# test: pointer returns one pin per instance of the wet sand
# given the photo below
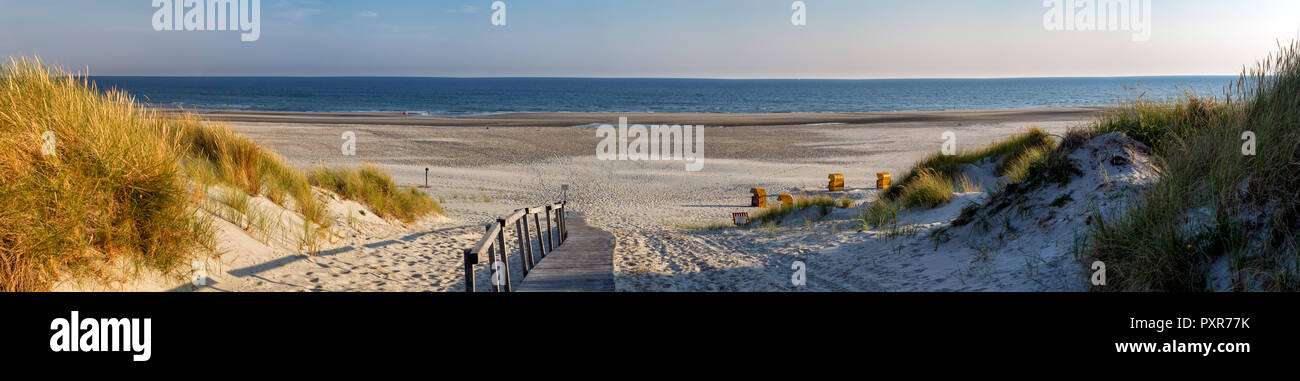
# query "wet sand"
(525, 138)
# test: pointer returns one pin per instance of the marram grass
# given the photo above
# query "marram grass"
(776, 213)
(933, 180)
(123, 185)
(113, 189)
(372, 187)
(1254, 214)
(939, 165)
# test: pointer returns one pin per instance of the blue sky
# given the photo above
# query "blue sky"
(650, 38)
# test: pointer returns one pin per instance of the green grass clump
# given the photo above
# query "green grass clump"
(1146, 247)
(773, 215)
(950, 166)
(230, 158)
(964, 184)
(374, 188)
(934, 180)
(777, 213)
(1019, 168)
(1158, 123)
(238, 205)
(880, 213)
(114, 191)
(216, 154)
(928, 189)
(124, 188)
(1254, 215)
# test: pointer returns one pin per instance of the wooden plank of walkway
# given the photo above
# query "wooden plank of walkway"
(584, 263)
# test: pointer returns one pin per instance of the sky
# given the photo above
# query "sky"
(651, 38)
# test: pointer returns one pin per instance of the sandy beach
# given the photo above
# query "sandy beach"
(339, 184)
(484, 167)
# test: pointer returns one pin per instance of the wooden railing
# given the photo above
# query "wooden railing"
(493, 244)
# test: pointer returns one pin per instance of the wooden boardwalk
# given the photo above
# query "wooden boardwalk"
(584, 263)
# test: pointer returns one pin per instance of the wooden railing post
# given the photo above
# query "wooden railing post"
(492, 265)
(505, 258)
(550, 241)
(525, 259)
(564, 229)
(494, 244)
(470, 260)
(537, 223)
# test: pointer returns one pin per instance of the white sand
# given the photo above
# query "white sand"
(644, 203)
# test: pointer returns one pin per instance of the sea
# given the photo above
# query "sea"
(481, 96)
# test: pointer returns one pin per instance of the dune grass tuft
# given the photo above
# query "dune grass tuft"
(774, 214)
(1253, 214)
(777, 213)
(950, 166)
(880, 213)
(1159, 123)
(927, 189)
(124, 185)
(1019, 168)
(112, 191)
(933, 180)
(372, 187)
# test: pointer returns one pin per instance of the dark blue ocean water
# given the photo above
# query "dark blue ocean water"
(472, 96)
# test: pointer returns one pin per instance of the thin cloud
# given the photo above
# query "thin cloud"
(464, 9)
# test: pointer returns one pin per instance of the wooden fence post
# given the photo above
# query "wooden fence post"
(505, 258)
(525, 259)
(492, 265)
(470, 261)
(564, 222)
(528, 240)
(550, 242)
(537, 222)
(494, 244)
